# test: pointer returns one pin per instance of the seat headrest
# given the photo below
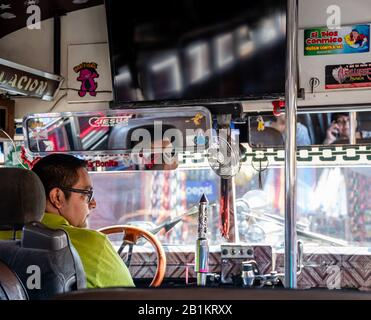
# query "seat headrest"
(22, 198)
(268, 137)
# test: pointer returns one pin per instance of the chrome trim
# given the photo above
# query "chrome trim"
(290, 144)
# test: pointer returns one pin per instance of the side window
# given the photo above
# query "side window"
(318, 128)
(364, 127)
(316, 124)
(269, 130)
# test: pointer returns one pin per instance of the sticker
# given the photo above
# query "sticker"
(87, 75)
(348, 76)
(102, 164)
(323, 41)
(98, 122)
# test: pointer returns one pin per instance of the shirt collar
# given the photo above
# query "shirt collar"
(54, 219)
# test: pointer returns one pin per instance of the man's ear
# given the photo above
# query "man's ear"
(56, 197)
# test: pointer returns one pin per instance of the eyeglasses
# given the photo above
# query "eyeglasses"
(89, 192)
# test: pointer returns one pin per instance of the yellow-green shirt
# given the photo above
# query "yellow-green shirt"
(102, 265)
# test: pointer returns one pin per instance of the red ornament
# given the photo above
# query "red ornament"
(278, 105)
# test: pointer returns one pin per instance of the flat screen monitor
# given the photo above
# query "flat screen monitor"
(197, 50)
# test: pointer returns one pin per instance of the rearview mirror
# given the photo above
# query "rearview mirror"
(153, 134)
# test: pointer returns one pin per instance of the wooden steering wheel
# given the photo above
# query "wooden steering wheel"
(131, 235)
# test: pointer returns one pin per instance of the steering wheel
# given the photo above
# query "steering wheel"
(131, 235)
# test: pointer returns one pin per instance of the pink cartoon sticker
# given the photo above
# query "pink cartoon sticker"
(87, 75)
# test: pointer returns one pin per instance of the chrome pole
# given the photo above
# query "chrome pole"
(290, 145)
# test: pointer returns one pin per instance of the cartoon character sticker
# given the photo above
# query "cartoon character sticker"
(87, 75)
(346, 40)
(356, 39)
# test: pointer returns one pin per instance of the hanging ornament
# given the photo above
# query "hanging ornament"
(260, 123)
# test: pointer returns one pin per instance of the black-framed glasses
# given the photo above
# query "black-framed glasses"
(89, 192)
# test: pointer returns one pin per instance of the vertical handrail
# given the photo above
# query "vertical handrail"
(290, 144)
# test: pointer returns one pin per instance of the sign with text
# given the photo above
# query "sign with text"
(323, 41)
(355, 75)
(19, 79)
(195, 189)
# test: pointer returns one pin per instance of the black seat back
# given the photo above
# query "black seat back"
(43, 259)
(268, 137)
(11, 288)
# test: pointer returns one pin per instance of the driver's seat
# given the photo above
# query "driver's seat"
(43, 259)
(11, 288)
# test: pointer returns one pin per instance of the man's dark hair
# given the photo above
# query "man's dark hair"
(336, 116)
(58, 170)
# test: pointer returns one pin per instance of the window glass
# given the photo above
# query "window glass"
(333, 206)
(364, 127)
(151, 198)
(311, 129)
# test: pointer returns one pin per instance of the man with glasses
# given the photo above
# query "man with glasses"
(69, 199)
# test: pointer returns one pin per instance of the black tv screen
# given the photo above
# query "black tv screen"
(197, 50)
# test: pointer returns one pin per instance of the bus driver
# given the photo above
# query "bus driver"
(69, 199)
